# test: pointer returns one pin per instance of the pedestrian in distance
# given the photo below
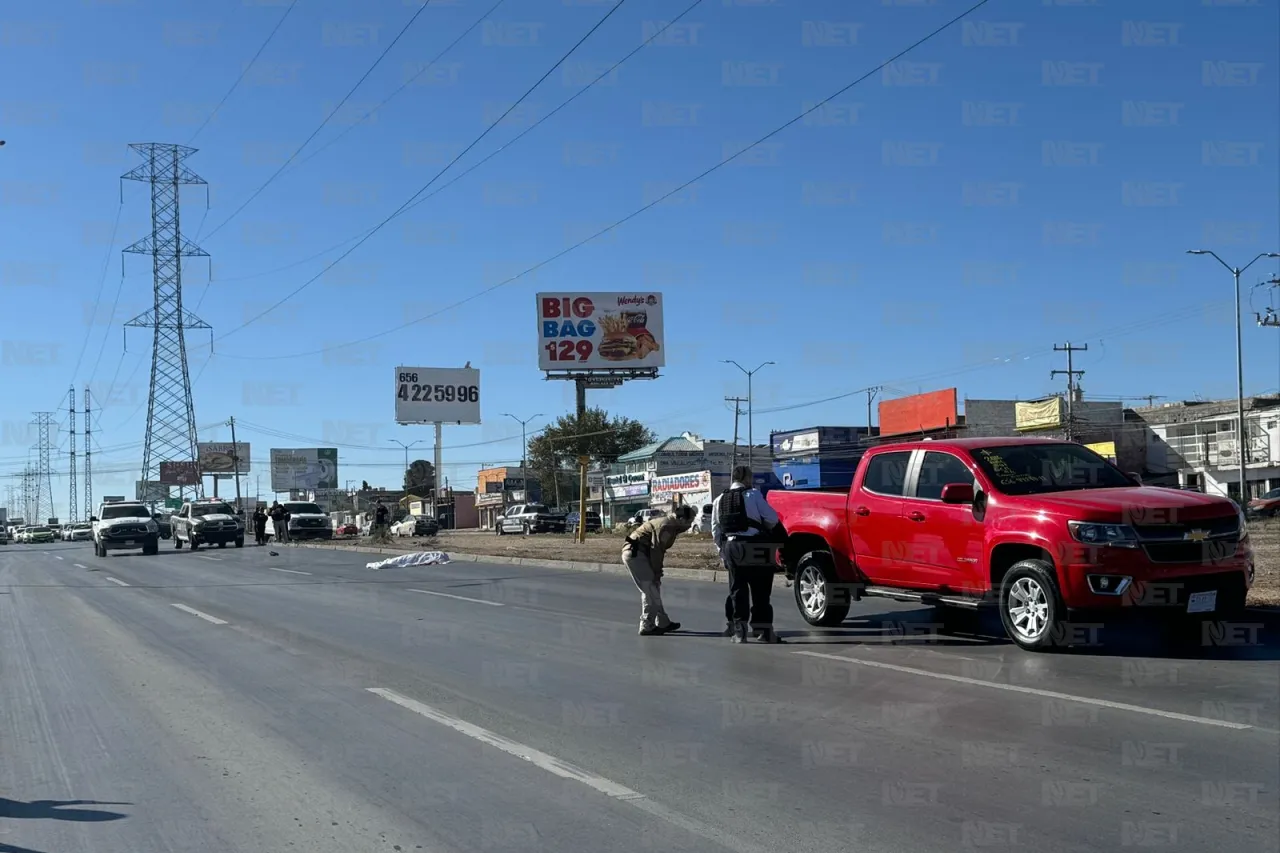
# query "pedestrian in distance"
(380, 518)
(260, 526)
(643, 554)
(745, 530)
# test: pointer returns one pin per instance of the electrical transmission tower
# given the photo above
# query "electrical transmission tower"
(73, 504)
(88, 460)
(171, 421)
(44, 474)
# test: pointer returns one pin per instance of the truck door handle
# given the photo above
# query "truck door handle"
(916, 516)
(862, 510)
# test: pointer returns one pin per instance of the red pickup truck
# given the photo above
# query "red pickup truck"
(1046, 531)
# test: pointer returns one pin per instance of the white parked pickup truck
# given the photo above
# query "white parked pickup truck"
(124, 525)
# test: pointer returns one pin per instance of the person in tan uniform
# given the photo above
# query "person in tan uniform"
(643, 555)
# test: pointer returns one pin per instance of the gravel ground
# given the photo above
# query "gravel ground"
(694, 551)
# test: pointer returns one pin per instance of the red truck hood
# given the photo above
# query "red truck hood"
(1126, 503)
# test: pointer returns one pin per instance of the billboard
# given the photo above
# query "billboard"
(179, 474)
(304, 468)
(1044, 414)
(699, 481)
(1105, 449)
(428, 395)
(216, 457)
(919, 412)
(149, 491)
(600, 331)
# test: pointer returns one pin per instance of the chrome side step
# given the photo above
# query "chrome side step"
(930, 598)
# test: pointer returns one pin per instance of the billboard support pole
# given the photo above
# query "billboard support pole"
(435, 511)
(583, 459)
(235, 463)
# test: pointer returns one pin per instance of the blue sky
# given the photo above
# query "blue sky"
(1032, 178)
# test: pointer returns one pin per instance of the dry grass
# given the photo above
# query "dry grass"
(695, 551)
(1266, 546)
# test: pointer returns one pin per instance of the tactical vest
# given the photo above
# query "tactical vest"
(733, 512)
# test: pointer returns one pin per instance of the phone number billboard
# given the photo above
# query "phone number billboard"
(600, 331)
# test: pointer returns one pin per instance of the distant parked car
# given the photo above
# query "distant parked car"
(347, 529)
(529, 519)
(1266, 506)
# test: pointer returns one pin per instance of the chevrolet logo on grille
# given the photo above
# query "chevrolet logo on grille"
(1196, 535)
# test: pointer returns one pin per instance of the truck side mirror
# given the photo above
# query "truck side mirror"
(93, 518)
(1136, 479)
(957, 493)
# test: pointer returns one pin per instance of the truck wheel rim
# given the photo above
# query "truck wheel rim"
(813, 591)
(1028, 608)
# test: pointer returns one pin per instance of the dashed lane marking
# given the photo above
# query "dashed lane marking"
(1034, 691)
(287, 571)
(205, 616)
(458, 597)
(115, 581)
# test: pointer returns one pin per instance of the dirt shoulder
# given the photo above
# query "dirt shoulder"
(694, 551)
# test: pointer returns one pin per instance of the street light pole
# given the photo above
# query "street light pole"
(524, 442)
(406, 458)
(751, 445)
(1242, 436)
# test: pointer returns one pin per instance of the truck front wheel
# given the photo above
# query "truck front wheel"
(822, 599)
(1030, 606)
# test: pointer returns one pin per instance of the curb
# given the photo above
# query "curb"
(705, 575)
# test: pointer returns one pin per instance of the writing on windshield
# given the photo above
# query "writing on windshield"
(1028, 469)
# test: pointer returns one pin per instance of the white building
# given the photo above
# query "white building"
(1196, 442)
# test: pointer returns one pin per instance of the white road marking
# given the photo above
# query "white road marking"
(116, 582)
(80, 565)
(458, 597)
(1034, 691)
(288, 571)
(56, 557)
(205, 616)
(203, 557)
(565, 770)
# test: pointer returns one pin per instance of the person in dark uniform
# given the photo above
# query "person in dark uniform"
(380, 515)
(260, 526)
(743, 527)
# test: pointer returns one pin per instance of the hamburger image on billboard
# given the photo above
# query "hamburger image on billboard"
(599, 331)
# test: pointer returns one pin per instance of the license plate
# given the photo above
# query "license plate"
(129, 542)
(1202, 602)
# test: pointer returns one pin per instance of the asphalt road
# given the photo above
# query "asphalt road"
(231, 701)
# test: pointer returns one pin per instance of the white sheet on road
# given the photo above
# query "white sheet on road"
(405, 561)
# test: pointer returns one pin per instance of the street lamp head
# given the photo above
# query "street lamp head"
(1271, 255)
(1197, 251)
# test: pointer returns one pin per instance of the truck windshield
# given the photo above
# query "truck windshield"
(201, 510)
(125, 511)
(535, 508)
(303, 509)
(1032, 469)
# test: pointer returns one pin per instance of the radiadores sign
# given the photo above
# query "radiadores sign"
(600, 331)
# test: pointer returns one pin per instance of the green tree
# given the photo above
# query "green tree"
(420, 479)
(554, 452)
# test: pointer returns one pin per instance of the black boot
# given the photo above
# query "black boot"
(739, 632)
(768, 635)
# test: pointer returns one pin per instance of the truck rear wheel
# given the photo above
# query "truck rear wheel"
(823, 601)
(1030, 605)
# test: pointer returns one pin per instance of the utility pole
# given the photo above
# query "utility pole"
(235, 462)
(88, 460)
(73, 504)
(1072, 375)
(1242, 433)
(737, 413)
(751, 444)
(871, 395)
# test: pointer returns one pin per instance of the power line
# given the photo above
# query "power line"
(271, 35)
(405, 206)
(603, 75)
(652, 204)
(325, 122)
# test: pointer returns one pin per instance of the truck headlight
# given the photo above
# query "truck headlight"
(1117, 535)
